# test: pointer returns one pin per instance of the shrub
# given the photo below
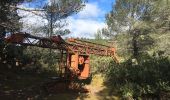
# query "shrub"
(150, 76)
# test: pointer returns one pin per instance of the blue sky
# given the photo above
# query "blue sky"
(84, 24)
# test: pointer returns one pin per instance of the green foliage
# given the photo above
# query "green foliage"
(11, 54)
(144, 23)
(9, 19)
(162, 43)
(30, 58)
(150, 76)
(54, 12)
(140, 19)
(98, 35)
(100, 64)
(123, 45)
(41, 58)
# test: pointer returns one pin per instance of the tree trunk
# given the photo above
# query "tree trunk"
(2, 35)
(135, 45)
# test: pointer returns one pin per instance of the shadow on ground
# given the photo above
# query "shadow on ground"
(27, 85)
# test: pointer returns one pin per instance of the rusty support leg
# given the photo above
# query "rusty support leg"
(86, 70)
(66, 74)
(61, 64)
(74, 61)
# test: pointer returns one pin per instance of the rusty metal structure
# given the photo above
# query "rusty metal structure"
(74, 60)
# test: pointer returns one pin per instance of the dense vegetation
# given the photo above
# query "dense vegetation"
(139, 29)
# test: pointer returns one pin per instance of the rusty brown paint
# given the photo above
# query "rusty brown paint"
(77, 50)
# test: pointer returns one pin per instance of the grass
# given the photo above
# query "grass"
(20, 85)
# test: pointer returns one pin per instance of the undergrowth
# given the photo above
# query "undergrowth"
(150, 77)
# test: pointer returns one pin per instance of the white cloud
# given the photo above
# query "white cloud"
(90, 10)
(84, 27)
(31, 20)
(84, 24)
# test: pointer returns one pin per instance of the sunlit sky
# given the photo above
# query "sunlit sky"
(84, 24)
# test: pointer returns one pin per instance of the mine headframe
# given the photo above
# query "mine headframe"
(76, 63)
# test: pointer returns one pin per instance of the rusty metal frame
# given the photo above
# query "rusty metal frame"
(71, 47)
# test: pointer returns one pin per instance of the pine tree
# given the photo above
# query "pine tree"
(9, 20)
(140, 19)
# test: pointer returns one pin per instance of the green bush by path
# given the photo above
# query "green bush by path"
(150, 77)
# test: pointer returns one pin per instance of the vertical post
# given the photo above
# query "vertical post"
(67, 65)
(51, 30)
(74, 60)
(2, 45)
(61, 64)
(135, 44)
(86, 71)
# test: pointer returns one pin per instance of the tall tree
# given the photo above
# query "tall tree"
(8, 15)
(60, 9)
(54, 13)
(136, 17)
(9, 19)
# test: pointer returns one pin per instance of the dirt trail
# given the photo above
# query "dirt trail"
(97, 92)
(22, 86)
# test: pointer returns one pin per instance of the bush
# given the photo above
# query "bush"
(150, 76)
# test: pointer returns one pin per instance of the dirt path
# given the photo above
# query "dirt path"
(14, 86)
(97, 92)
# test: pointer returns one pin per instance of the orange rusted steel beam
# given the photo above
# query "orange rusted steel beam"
(77, 51)
(56, 42)
(86, 47)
